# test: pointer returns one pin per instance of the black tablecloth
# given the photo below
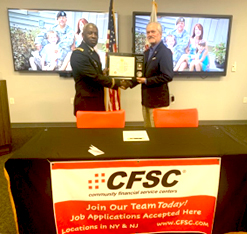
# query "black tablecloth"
(29, 168)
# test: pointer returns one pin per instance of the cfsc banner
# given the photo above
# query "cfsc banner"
(135, 196)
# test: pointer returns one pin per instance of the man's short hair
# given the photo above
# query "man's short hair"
(159, 26)
(61, 13)
(180, 19)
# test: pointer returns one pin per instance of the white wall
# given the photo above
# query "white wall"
(46, 98)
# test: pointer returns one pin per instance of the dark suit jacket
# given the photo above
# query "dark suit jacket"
(89, 80)
(158, 71)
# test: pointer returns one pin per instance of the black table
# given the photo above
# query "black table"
(29, 168)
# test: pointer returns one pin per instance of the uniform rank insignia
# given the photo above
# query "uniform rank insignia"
(79, 49)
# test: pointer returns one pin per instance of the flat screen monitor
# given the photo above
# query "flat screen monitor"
(199, 43)
(43, 40)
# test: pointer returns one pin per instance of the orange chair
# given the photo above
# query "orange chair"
(164, 118)
(100, 119)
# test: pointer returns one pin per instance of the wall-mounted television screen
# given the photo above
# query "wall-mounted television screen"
(199, 43)
(43, 40)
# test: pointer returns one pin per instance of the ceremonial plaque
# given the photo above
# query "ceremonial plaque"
(125, 66)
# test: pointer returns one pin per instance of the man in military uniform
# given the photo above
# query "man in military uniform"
(88, 74)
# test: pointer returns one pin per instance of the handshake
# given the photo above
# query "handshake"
(124, 84)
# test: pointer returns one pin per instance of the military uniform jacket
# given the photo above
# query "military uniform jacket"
(87, 73)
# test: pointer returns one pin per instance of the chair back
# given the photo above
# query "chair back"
(165, 118)
(100, 119)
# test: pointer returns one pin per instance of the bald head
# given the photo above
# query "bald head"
(90, 34)
(88, 25)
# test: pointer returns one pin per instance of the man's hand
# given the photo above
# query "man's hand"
(141, 80)
(125, 84)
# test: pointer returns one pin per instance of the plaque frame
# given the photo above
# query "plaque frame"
(138, 66)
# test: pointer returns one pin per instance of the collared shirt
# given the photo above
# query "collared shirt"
(151, 50)
(94, 54)
(91, 48)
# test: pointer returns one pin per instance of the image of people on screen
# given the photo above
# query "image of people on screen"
(170, 42)
(47, 59)
(191, 51)
(66, 39)
(78, 35)
(182, 39)
(182, 33)
(29, 33)
(77, 41)
(201, 59)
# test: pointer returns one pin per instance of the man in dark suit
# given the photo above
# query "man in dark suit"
(157, 73)
(88, 74)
